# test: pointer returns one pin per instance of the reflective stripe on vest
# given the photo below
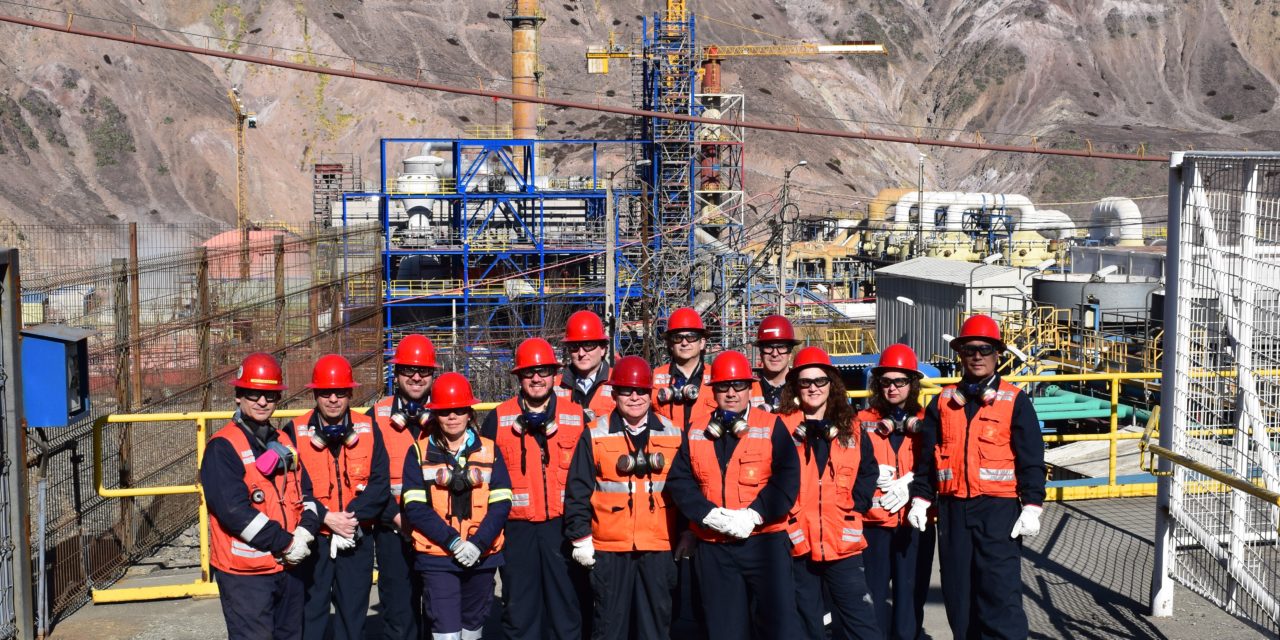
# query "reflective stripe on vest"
(395, 440)
(903, 460)
(282, 504)
(335, 489)
(441, 500)
(630, 513)
(975, 457)
(748, 471)
(537, 491)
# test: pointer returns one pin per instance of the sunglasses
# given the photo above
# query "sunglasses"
(623, 392)
(680, 338)
(410, 371)
(736, 385)
(574, 347)
(805, 383)
(327, 393)
(895, 383)
(970, 350)
(255, 396)
(776, 349)
(544, 371)
(452, 412)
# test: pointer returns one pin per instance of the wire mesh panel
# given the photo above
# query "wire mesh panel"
(1226, 385)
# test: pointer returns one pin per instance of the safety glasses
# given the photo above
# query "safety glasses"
(624, 392)
(895, 383)
(680, 338)
(410, 371)
(736, 385)
(574, 347)
(332, 393)
(805, 383)
(544, 371)
(970, 350)
(457, 411)
(776, 348)
(272, 397)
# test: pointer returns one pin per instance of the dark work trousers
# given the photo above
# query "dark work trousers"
(632, 595)
(687, 620)
(458, 602)
(760, 565)
(845, 582)
(262, 606)
(897, 558)
(981, 567)
(399, 590)
(541, 584)
(344, 582)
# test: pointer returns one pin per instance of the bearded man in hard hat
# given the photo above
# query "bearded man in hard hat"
(543, 590)
(400, 419)
(347, 463)
(585, 376)
(982, 443)
(262, 516)
(616, 513)
(775, 339)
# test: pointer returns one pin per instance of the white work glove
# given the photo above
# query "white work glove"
(1028, 524)
(918, 517)
(718, 520)
(584, 552)
(897, 495)
(887, 474)
(465, 553)
(742, 523)
(685, 546)
(340, 543)
(300, 548)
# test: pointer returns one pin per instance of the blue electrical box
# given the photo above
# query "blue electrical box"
(55, 375)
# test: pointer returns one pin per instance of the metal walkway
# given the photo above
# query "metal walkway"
(1086, 576)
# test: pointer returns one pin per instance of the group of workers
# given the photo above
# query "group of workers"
(615, 500)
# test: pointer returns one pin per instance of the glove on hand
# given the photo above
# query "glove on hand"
(584, 552)
(742, 523)
(1028, 524)
(918, 517)
(465, 553)
(300, 548)
(897, 495)
(340, 543)
(887, 474)
(717, 520)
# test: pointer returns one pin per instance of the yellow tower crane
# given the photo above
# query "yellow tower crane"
(243, 119)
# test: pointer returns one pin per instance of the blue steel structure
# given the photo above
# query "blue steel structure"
(503, 250)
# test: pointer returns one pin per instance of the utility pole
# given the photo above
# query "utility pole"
(920, 209)
(610, 246)
(782, 248)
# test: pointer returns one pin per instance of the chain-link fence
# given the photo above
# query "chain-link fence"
(175, 310)
(1224, 376)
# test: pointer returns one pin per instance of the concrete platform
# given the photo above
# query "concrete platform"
(1086, 576)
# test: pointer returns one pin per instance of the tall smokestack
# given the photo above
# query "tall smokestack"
(525, 20)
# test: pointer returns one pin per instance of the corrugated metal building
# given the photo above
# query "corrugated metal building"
(919, 300)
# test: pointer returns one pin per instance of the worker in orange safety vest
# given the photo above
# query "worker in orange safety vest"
(837, 479)
(982, 444)
(680, 391)
(262, 516)
(775, 339)
(586, 375)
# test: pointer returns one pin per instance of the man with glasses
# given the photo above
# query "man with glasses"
(981, 440)
(775, 338)
(616, 514)
(400, 419)
(536, 432)
(347, 463)
(736, 478)
(585, 379)
(680, 390)
(262, 516)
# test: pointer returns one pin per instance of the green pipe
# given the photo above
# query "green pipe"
(1051, 400)
(1073, 415)
(1122, 410)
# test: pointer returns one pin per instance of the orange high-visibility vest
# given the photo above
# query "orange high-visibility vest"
(601, 402)
(823, 524)
(336, 481)
(975, 458)
(537, 492)
(282, 504)
(748, 471)
(397, 441)
(630, 513)
(482, 459)
(903, 460)
(683, 414)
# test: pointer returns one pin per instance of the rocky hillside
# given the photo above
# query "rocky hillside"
(92, 131)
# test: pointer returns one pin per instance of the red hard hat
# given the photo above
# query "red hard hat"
(897, 357)
(332, 372)
(415, 350)
(812, 357)
(534, 352)
(631, 371)
(979, 327)
(775, 329)
(451, 391)
(260, 371)
(584, 326)
(685, 319)
(730, 366)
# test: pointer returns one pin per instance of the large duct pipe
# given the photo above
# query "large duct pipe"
(879, 206)
(1117, 220)
(524, 66)
(1050, 223)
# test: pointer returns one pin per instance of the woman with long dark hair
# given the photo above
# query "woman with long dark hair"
(837, 480)
(899, 558)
